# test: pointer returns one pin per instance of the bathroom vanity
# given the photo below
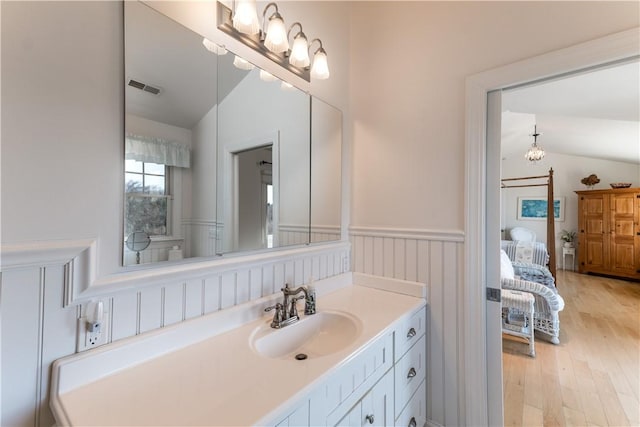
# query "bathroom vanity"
(365, 364)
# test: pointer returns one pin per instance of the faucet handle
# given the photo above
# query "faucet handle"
(278, 316)
(277, 307)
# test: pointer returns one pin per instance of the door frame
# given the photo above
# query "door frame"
(483, 405)
(227, 201)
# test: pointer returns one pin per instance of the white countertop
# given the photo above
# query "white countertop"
(222, 380)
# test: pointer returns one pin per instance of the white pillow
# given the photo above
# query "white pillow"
(506, 268)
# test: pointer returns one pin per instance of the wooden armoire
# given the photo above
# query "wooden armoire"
(609, 232)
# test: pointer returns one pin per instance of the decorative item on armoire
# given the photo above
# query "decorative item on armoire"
(590, 180)
(620, 184)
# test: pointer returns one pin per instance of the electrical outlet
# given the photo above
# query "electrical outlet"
(345, 264)
(88, 339)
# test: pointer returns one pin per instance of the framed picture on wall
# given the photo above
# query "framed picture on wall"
(535, 208)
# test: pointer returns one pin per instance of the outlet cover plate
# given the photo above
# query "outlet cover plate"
(87, 340)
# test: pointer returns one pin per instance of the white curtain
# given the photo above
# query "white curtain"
(157, 150)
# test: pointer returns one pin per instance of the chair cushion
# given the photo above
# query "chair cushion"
(506, 268)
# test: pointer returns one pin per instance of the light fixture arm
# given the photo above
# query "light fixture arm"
(320, 49)
(535, 134)
(265, 20)
(291, 29)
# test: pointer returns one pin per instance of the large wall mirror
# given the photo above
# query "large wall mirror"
(220, 156)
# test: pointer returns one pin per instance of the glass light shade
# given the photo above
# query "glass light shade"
(286, 86)
(212, 47)
(320, 67)
(267, 77)
(276, 38)
(242, 63)
(300, 52)
(535, 153)
(245, 17)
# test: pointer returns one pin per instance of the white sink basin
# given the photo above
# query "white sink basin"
(323, 333)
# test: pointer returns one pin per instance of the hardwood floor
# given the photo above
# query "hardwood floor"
(593, 376)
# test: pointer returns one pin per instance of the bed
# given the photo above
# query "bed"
(528, 252)
(550, 259)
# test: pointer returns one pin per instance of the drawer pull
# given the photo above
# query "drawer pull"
(369, 418)
(412, 373)
(411, 333)
(412, 422)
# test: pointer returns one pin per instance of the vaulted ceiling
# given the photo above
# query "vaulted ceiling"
(593, 114)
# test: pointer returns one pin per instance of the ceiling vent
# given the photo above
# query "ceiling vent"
(144, 87)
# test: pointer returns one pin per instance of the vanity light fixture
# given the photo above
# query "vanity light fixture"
(535, 153)
(242, 64)
(212, 47)
(299, 55)
(275, 36)
(320, 68)
(245, 18)
(273, 40)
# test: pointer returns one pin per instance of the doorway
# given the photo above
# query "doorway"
(483, 374)
(573, 115)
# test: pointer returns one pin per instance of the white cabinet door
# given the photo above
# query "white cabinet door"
(377, 405)
(352, 418)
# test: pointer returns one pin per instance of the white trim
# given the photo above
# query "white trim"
(605, 50)
(79, 258)
(405, 287)
(409, 233)
(82, 284)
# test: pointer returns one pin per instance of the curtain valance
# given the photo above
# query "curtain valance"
(157, 150)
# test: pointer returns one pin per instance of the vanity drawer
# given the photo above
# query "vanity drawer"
(415, 413)
(409, 332)
(410, 371)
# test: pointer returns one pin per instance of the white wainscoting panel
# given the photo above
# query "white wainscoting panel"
(200, 237)
(292, 234)
(39, 326)
(435, 258)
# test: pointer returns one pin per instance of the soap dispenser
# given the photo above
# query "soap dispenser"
(310, 303)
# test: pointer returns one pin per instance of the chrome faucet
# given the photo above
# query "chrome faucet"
(287, 311)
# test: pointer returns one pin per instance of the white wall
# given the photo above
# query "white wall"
(326, 158)
(200, 227)
(407, 108)
(62, 124)
(255, 109)
(568, 171)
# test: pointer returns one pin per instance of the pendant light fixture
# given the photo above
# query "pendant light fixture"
(535, 152)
